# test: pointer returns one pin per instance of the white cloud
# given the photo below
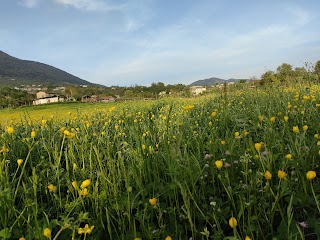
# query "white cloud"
(89, 5)
(29, 3)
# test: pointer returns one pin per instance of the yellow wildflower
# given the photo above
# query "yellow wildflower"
(153, 201)
(247, 238)
(85, 183)
(22, 238)
(219, 164)
(213, 114)
(268, 175)
(84, 192)
(272, 119)
(282, 174)
(168, 238)
(10, 130)
(295, 129)
(33, 134)
(74, 165)
(223, 142)
(289, 156)
(85, 230)
(258, 146)
(51, 188)
(47, 232)
(188, 107)
(260, 118)
(305, 127)
(311, 175)
(74, 184)
(19, 161)
(233, 222)
(286, 118)
(43, 121)
(236, 134)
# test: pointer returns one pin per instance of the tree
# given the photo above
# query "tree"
(317, 68)
(284, 72)
(269, 77)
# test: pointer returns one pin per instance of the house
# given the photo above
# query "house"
(47, 98)
(107, 99)
(196, 90)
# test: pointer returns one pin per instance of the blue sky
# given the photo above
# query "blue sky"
(128, 42)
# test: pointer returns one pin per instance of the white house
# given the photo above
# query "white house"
(45, 98)
(196, 90)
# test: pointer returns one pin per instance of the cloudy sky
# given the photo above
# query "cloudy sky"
(127, 42)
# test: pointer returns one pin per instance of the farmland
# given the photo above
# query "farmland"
(237, 165)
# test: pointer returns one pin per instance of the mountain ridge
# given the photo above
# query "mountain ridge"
(213, 81)
(14, 71)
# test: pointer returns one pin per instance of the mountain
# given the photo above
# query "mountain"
(14, 71)
(213, 81)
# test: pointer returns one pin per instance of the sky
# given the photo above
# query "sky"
(139, 42)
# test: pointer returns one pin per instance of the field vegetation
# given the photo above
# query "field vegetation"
(239, 164)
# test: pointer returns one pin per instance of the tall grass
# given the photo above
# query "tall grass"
(169, 168)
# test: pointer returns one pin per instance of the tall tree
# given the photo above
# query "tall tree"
(284, 72)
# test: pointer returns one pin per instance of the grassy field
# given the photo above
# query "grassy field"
(239, 165)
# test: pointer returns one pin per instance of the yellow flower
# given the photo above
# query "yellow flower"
(272, 119)
(289, 156)
(47, 232)
(305, 127)
(51, 188)
(85, 183)
(213, 114)
(258, 146)
(22, 238)
(137, 238)
(188, 107)
(260, 118)
(168, 238)
(74, 184)
(43, 121)
(295, 129)
(236, 134)
(10, 130)
(223, 142)
(74, 165)
(268, 175)
(286, 118)
(311, 175)
(219, 164)
(282, 174)
(85, 230)
(84, 192)
(233, 222)
(153, 201)
(247, 238)
(19, 161)
(316, 135)
(33, 134)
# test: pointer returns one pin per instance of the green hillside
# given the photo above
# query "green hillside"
(14, 71)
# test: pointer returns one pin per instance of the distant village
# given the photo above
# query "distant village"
(62, 94)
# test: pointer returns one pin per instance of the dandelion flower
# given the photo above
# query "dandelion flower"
(286, 118)
(168, 238)
(272, 119)
(236, 134)
(10, 130)
(267, 175)
(22, 238)
(85, 183)
(295, 129)
(47, 232)
(282, 174)
(33, 134)
(258, 146)
(219, 164)
(213, 114)
(84, 192)
(247, 238)
(305, 127)
(233, 222)
(19, 161)
(51, 188)
(311, 175)
(74, 184)
(85, 230)
(153, 201)
(223, 142)
(289, 156)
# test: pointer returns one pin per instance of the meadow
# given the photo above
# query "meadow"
(240, 164)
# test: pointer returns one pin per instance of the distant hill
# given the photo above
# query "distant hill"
(14, 71)
(213, 81)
